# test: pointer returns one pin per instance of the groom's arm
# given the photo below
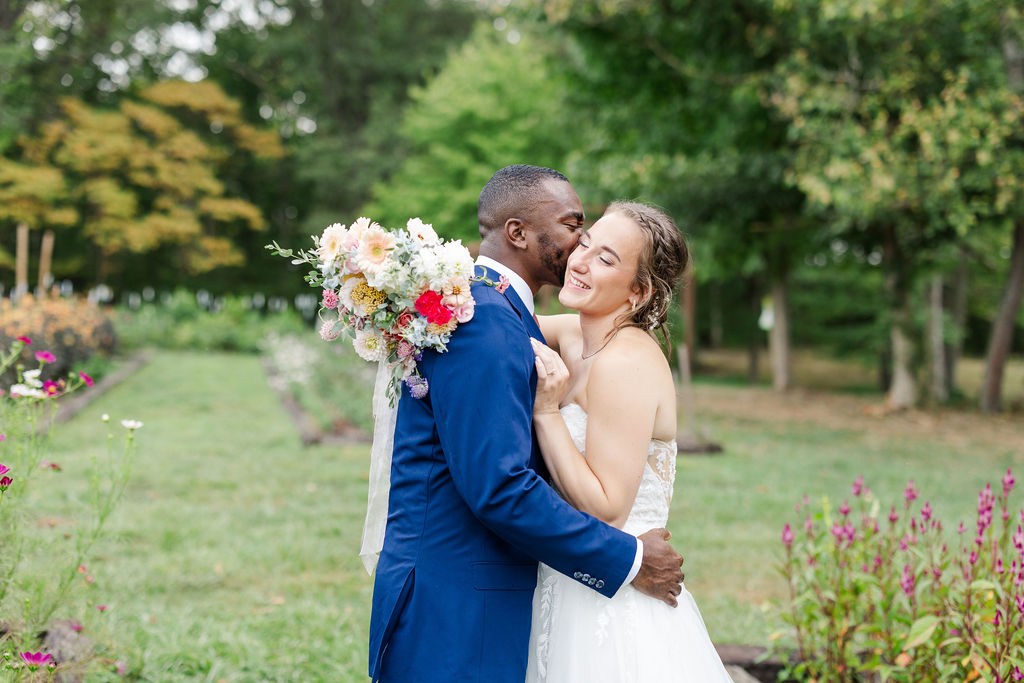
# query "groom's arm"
(481, 393)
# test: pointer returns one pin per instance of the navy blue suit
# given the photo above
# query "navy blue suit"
(469, 515)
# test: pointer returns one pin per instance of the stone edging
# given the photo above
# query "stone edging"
(308, 430)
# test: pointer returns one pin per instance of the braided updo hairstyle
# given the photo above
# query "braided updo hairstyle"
(663, 260)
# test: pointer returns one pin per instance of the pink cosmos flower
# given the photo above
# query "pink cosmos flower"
(45, 357)
(502, 285)
(86, 378)
(75, 626)
(4, 469)
(102, 608)
(5, 483)
(25, 340)
(3, 437)
(51, 388)
(787, 536)
(51, 466)
(35, 659)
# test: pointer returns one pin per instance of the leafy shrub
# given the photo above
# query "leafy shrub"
(891, 598)
(182, 322)
(72, 329)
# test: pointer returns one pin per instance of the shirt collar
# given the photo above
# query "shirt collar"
(514, 279)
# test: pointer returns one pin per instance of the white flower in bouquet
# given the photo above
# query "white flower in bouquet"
(345, 291)
(422, 233)
(327, 330)
(331, 244)
(370, 345)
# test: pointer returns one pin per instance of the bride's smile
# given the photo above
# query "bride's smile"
(599, 278)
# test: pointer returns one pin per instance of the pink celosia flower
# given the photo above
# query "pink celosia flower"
(1008, 482)
(808, 525)
(999, 565)
(961, 529)
(25, 340)
(858, 485)
(45, 357)
(893, 517)
(907, 581)
(1018, 538)
(910, 493)
(787, 536)
(1017, 675)
(926, 512)
(844, 509)
(973, 559)
(502, 285)
(35, 659)
(86, 378)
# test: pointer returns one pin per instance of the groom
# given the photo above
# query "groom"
(469, 513)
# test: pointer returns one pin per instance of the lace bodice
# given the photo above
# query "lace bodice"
(650, 509)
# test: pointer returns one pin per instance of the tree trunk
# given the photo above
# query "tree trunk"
(715, 309)
(778, 337)
(958, 314)
(10, 10)
(45, 259)
(1002, 329)
(936, 345)
(754, 343)
(21, 263)
(903, 389)
(688, 301)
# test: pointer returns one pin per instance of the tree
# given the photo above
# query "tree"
(689, 130)
(494, 103)
(905, 134)
(142, 178)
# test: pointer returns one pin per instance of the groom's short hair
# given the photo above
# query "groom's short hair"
(510, 193)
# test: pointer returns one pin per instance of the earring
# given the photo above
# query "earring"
(633, 301)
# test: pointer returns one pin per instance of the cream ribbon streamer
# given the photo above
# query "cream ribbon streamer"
(384, 419)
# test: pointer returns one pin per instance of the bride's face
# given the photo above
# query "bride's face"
(599, 276)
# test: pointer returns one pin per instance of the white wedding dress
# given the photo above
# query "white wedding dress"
(580, 636)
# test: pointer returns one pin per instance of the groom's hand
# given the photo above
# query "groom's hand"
(661, 573)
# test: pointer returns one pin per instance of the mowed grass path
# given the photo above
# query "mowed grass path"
(233, 555)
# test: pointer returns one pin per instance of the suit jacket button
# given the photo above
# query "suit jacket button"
(599, 584)
(585, 578)
(593, 580)
(577, 575)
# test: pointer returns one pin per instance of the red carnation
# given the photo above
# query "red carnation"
(429, 305)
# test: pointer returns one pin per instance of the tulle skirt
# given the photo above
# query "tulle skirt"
(580, 636)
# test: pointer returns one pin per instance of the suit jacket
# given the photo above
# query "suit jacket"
(470, 516)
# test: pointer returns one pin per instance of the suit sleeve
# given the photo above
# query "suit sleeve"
(482, 393)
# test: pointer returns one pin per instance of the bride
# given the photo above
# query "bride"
(605, 418)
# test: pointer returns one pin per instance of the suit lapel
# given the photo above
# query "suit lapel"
(517, 303)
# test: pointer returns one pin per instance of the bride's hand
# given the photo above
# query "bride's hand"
(552, 379)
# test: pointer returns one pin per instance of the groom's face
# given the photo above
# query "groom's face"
(557, 223)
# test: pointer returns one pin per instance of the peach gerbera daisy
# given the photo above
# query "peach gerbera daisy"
(374, 246)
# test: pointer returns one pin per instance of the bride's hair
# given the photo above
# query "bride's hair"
(663, 260)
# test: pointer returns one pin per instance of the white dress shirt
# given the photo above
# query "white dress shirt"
(526, 294)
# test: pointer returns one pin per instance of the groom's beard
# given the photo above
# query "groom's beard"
(554, 260)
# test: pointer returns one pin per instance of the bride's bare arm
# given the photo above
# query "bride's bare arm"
(556, 327)
(621, 412)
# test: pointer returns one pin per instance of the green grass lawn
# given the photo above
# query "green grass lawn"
(234, 554)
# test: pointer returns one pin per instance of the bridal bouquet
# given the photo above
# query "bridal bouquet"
(394, 293)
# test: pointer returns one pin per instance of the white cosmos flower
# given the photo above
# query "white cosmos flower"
(131, 424)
